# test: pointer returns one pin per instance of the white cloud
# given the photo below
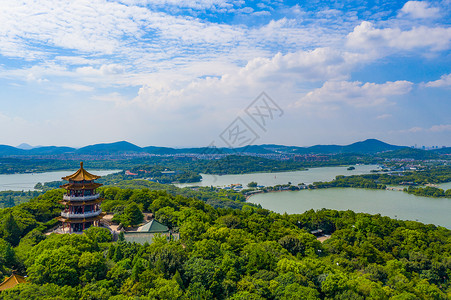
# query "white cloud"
(432, 129)
(444, 81)
(194, 4)
(355, 93)
(367, 36)
(384, 116)
(110, 69)
(77, 87)
(420, 9)
(281, 74)
(440, 128)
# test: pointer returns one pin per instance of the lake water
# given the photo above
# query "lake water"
(445, 186)
(394, 204)
(26, 182)
(270, 179)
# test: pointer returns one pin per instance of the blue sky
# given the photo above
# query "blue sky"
(178, 73)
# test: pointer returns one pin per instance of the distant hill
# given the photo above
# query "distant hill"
(110, 148)
(50, 150)
(25, 146)
(370, 146)
(411, 153)
(367, 147)
(446, 150)
(159, 150)
(10, 150)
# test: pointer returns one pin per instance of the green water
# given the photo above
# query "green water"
(394, 204)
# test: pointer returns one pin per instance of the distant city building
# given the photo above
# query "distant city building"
(81, 202)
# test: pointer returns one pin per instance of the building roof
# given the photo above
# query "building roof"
(143, 237)
(81, 175)
(11, 282)
(153, 227)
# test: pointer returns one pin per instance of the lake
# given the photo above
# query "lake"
(445, 186)
(270, 179)
(394, 204)
(26, 182)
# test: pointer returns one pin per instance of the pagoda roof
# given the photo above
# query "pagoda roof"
(153, 227)
(81, 186)
(81, 175)
(11, 282)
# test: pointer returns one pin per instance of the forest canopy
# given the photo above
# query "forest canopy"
(224, 253)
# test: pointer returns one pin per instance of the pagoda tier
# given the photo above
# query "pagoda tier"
(82, 220)
(81, 201)
(81, 186)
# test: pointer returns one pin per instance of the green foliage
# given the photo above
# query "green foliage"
(10, 230)
(252, 184)
(226, 253)
(98, 234)
(130, 216)
(92, 266)
(12, 198)
(429, 191)
(47, 291)
(7, 256)
(59, 266)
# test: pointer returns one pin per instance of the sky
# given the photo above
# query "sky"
(183, 73)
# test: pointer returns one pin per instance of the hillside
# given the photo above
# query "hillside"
(109, 148)
(410, 153)
(367, 147)
(247, 253)
(10, 150)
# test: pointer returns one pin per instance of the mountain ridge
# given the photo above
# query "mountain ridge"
(369, 146)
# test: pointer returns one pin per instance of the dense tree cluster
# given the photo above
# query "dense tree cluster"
(213, 196)
(224, 253)
(429, 191)
(12, 198)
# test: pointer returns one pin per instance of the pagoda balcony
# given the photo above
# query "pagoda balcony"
(81, 215)
(80, 198)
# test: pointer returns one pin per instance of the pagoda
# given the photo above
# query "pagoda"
(81, 201)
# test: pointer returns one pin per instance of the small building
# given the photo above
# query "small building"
(12, 281)
(148, 231)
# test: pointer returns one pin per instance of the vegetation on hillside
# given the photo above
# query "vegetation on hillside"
(225, 253)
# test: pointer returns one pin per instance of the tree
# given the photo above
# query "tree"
(166, 289)
(10, 230)
(131, 215)
(59, 266)
(252, 184)
(98, 234)
(6, 254)
(92, 266)
(199, 270)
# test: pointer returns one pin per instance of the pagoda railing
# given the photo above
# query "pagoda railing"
(80, 198)
(81, 216)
